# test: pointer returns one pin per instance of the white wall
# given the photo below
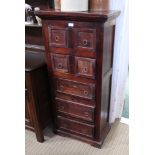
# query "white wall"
(120, 62)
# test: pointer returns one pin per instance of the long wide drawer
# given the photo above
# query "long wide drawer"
(75, 110)
(76, 88)
(75, 126)
(78, 100)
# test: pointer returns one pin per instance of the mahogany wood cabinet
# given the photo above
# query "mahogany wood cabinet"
(37, 96)
(79, 52)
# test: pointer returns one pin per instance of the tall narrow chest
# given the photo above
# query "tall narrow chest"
(79, 53)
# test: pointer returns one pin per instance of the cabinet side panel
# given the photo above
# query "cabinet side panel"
(42, 97)
(98, 91)
(109, 29)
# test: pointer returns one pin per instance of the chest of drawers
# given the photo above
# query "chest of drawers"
(79, 52)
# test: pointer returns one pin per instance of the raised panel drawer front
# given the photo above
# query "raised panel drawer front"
(85, 41)
(75, 88)
(74, 99)
(58, 37)
(60, 63)
(75, 126)
(75, 110)
(85, 67)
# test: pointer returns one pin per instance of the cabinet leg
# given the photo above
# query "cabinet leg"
(40, 136)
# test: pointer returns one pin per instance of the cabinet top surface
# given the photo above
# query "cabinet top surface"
(86, 15)
(33, 61)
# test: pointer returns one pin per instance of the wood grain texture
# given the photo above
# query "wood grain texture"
(37, 101)
(81, 85)
(93, 16)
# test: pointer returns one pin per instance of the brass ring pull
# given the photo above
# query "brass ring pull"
(56, 38)
(85, 69)
(85, 42)
(59, 65)
(85, 92)
(74, 86)
(61, 87)
(86, 113)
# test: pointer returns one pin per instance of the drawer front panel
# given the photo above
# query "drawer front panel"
(75, 88)
(74, 99)
(58, 37)
(85, 42)
(85, 67)
(75, 127)
(60, 63)
(75, 110)
(85, 38)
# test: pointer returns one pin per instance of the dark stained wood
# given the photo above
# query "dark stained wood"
(72, 77)
(85, 40)
(33, 35)
(75, 109)
(93, 16)
(75, 126)
(37, 101)
(78, 100)
(28, 119)
(85, 67)
(60, 63)
(75, 88)
(80, 66)
(58, 37)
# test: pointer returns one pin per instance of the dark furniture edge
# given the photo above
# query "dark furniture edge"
(89, 16)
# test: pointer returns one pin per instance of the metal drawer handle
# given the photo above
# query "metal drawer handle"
(74, 86)
(85, 92)
(85, 69)
(61, 87)
(85, 42)
(56, 38)
(60, 65)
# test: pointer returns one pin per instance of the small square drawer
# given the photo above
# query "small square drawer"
(60, 63)
(75, 126)
(85, 39)
(75, 88)
(58, 37)
(75, 110)
(85, 67)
